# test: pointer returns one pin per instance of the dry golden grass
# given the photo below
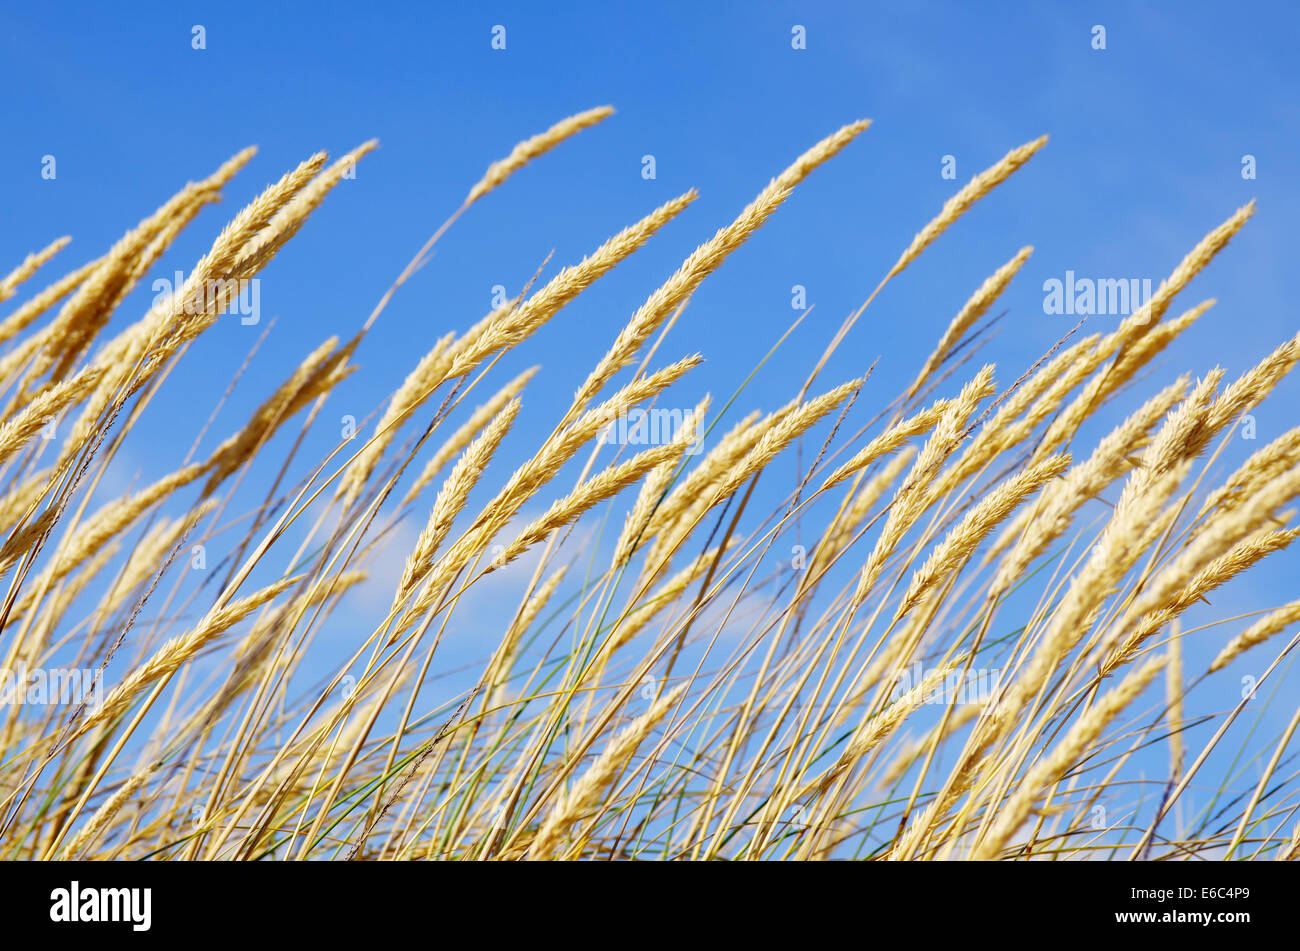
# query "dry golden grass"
(669, 682)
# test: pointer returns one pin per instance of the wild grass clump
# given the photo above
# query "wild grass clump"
(675, 688)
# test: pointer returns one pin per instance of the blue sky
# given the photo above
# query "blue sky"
(1147, 141)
